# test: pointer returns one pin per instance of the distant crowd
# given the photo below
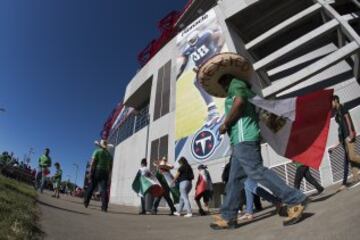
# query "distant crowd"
(10, 166)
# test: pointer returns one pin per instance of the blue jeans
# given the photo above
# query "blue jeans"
(247, 161)
(250, 190)
(43, 179)
(185, 188)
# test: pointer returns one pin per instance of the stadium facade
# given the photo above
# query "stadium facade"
(296, 47)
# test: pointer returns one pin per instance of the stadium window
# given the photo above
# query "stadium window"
(126, 129)
(162, 98)
(142, 118)
(159, 149)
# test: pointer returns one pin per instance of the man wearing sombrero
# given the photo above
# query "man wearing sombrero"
(99, 174)
(165, 177)
(226, 75)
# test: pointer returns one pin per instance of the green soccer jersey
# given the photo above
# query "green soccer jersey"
(44, 161)
(102, 160)
(58, 176)
(247, 127)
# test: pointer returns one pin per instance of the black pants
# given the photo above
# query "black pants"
(99, 178)
(143, 205)
(304, 172)
(168, 199)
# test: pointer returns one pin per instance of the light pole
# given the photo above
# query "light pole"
(76, 172)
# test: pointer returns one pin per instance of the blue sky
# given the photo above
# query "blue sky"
(64, 65)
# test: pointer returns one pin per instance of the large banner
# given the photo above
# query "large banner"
(198, 115)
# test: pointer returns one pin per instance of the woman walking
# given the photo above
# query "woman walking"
(184, 176)
(203, 189)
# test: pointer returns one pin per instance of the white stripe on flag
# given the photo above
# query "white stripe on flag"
(283, 107)
(278, 141)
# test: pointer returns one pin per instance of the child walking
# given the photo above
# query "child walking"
(57, 180)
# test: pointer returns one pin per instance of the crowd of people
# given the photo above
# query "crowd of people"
(10, 166)
(246, 178)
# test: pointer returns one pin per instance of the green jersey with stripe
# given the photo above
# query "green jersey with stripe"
(247, 127)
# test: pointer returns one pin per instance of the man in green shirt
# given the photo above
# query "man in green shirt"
(44, 164)
(241, 124)
(99, 174)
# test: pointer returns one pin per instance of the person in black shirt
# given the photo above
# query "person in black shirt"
(184, 177)
(347, 137)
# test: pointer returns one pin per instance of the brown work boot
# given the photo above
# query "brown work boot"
(355, 174)
(222, 224)
(295, 213)
(281, 210)
(341, 188)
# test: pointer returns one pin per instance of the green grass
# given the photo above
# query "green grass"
(18, 211)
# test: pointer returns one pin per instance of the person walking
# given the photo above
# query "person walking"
(347, 138)
(57, 180)
(303, 171)
(184, 177)
(255, 199)
(203, 190)
(241, 124)
(165, 177)
(44, 164)
(101, 166)
(252, 190)
(144, 171)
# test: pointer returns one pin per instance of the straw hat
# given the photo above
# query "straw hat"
(213, 69)
(163, 164)
(103, 144)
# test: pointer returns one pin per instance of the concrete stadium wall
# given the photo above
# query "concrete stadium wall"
(126, 164)
(129, 153)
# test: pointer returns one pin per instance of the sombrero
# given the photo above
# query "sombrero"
(213, 69)
(163, 164)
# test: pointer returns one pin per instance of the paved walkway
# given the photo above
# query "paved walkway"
(329, 217)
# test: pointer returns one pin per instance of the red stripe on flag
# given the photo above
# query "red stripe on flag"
(156, 190)
(200, 187)
(310, 129)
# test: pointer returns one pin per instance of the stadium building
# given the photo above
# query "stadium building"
(296, 47)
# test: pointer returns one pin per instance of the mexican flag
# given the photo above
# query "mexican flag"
(297, 128)
(166, 180)
(147, 184)
(201, 186)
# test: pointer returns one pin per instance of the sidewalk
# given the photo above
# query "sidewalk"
(329, 217)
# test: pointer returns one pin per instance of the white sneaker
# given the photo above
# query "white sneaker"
(177, 214)
(189, 215)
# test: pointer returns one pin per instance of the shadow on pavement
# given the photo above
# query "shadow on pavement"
(59, 208)
(323, 198)
(306, 216)
(128, 213)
